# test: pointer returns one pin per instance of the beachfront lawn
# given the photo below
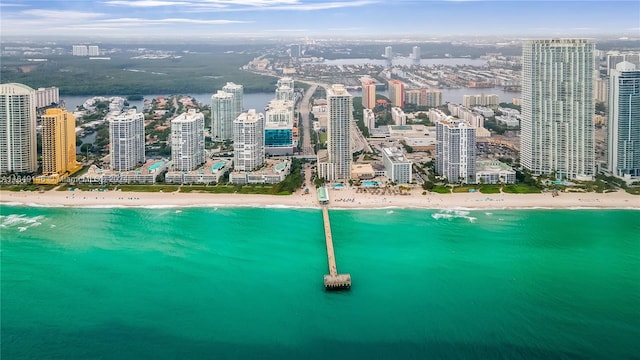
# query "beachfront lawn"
(464, 189)
(28, 187)
(490, 189)
(441, 189)
(520, 189)
(231, 189)
(148, 188)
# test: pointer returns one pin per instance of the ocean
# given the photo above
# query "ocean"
(247, 283)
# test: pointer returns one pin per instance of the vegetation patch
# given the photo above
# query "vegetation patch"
(441, 189)
(490, 189)
(520, 189)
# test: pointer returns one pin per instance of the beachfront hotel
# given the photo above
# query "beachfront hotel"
(248, 141)
(126, 132)
(187, 141)
(58, 146)
(557, 108)
(278, 128)
(222, 116)
(18, 147)
(456, 150)
(339, 119)
(397, 166)
(623, 130)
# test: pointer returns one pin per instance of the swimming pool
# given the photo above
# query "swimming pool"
(371, 183)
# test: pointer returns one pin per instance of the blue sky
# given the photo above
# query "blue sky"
(315, 18)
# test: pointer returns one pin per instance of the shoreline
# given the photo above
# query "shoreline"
(346, 198)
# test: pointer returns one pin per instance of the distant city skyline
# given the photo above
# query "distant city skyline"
(268, 19)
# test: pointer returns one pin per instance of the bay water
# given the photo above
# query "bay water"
(228, 283)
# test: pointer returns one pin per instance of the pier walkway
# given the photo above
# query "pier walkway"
(333, 280)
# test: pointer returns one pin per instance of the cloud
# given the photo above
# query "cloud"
(243, 5)
(286, 30)
(146, 3)
(171, 21)
(62, 14)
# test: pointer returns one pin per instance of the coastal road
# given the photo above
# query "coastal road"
(304, 110)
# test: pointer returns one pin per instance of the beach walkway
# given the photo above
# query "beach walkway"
(333, 280)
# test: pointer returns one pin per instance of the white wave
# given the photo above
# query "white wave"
(488, 213)
(22, 228)
(453, 214)
(20, 220)
(390, 212)
(178, 211)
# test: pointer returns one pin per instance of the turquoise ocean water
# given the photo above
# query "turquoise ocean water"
(226, 283)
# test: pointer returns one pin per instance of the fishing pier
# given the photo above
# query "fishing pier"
(332, 280)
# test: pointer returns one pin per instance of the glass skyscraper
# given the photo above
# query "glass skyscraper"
(623, 129)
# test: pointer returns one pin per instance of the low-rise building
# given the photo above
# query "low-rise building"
(493, 172)
(145, 174)
(362, 171)
(273, 172)
(210, 173)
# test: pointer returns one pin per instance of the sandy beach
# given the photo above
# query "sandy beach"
(346, 198)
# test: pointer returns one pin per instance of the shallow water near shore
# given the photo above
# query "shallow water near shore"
(116, 283)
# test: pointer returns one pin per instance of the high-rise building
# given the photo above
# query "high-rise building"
(93, 50)
(79, 50)
(616, 57)
(187, 141)
(368, 94)
(284, 89)
(396, 93)
(222, 116)
(369, 119)
(601, 90)
(388, 55)
(388, 52)
(456, 150)
(278, 128)
(480, 100)
(423, 97)
(415, 54)
(248, 141)
(397, 165)
(237, 91)
(47, 96)
(126, 132)
(18, 149)
(623, 130)
(557, 108)
(58, 146)
(398, 116)
(339, 118)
